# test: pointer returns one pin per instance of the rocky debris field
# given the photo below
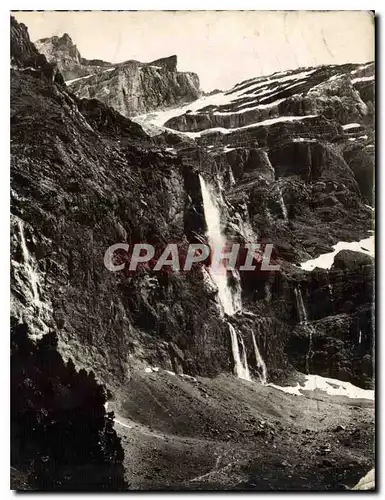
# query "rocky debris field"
(232, 434)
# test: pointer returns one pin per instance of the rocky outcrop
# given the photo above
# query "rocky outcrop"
(49, 400)
(134, 88)
(63, 52)
(361, 162)
(23, 51)
(131, 87)
(25, 57)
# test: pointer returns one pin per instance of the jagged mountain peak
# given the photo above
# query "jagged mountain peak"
(23, 51)
(25, 56)
(60, 50)
(65, 39)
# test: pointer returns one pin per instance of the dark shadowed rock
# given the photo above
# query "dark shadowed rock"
(170, 63)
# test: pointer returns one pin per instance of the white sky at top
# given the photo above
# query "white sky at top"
(223, 47)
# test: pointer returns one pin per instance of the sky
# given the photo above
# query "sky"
(222, 47)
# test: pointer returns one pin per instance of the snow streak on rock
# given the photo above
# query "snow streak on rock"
(330, 386)
(325, 261)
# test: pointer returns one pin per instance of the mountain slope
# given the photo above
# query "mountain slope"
(84, 177)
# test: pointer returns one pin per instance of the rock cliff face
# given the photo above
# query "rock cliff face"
(25, 57)
(63, 52)
(130, 87)
(289, 157)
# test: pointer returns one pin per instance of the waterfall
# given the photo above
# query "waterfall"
(282, 204)
(217, 242)
(241, 368)
(310, 352)
(33, 278)
(231, 177)
(229, 298)
(330, 290)
(35, 312)
(245, 368)
(300, 306)
(236, 290)
(303, 320)
(360, 337)
(260, 363)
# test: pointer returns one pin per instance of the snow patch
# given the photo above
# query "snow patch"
(331, 386)
(264, 123)
(363, 79)
(153, 123)
(303, 139)
(251, 108)
(268, 81)
(348, 126)
(325, 261)
(367, 482)
(70, 82)
(360, 68)
(335, 77)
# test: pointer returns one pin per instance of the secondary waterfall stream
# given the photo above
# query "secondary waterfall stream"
(36, 310)
(241, 368)
(300, 306)
(259, 361)
(30, 271)
(302, 313)
(282, 204)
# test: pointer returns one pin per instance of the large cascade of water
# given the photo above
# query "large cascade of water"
(229, 298)
(217, 241)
